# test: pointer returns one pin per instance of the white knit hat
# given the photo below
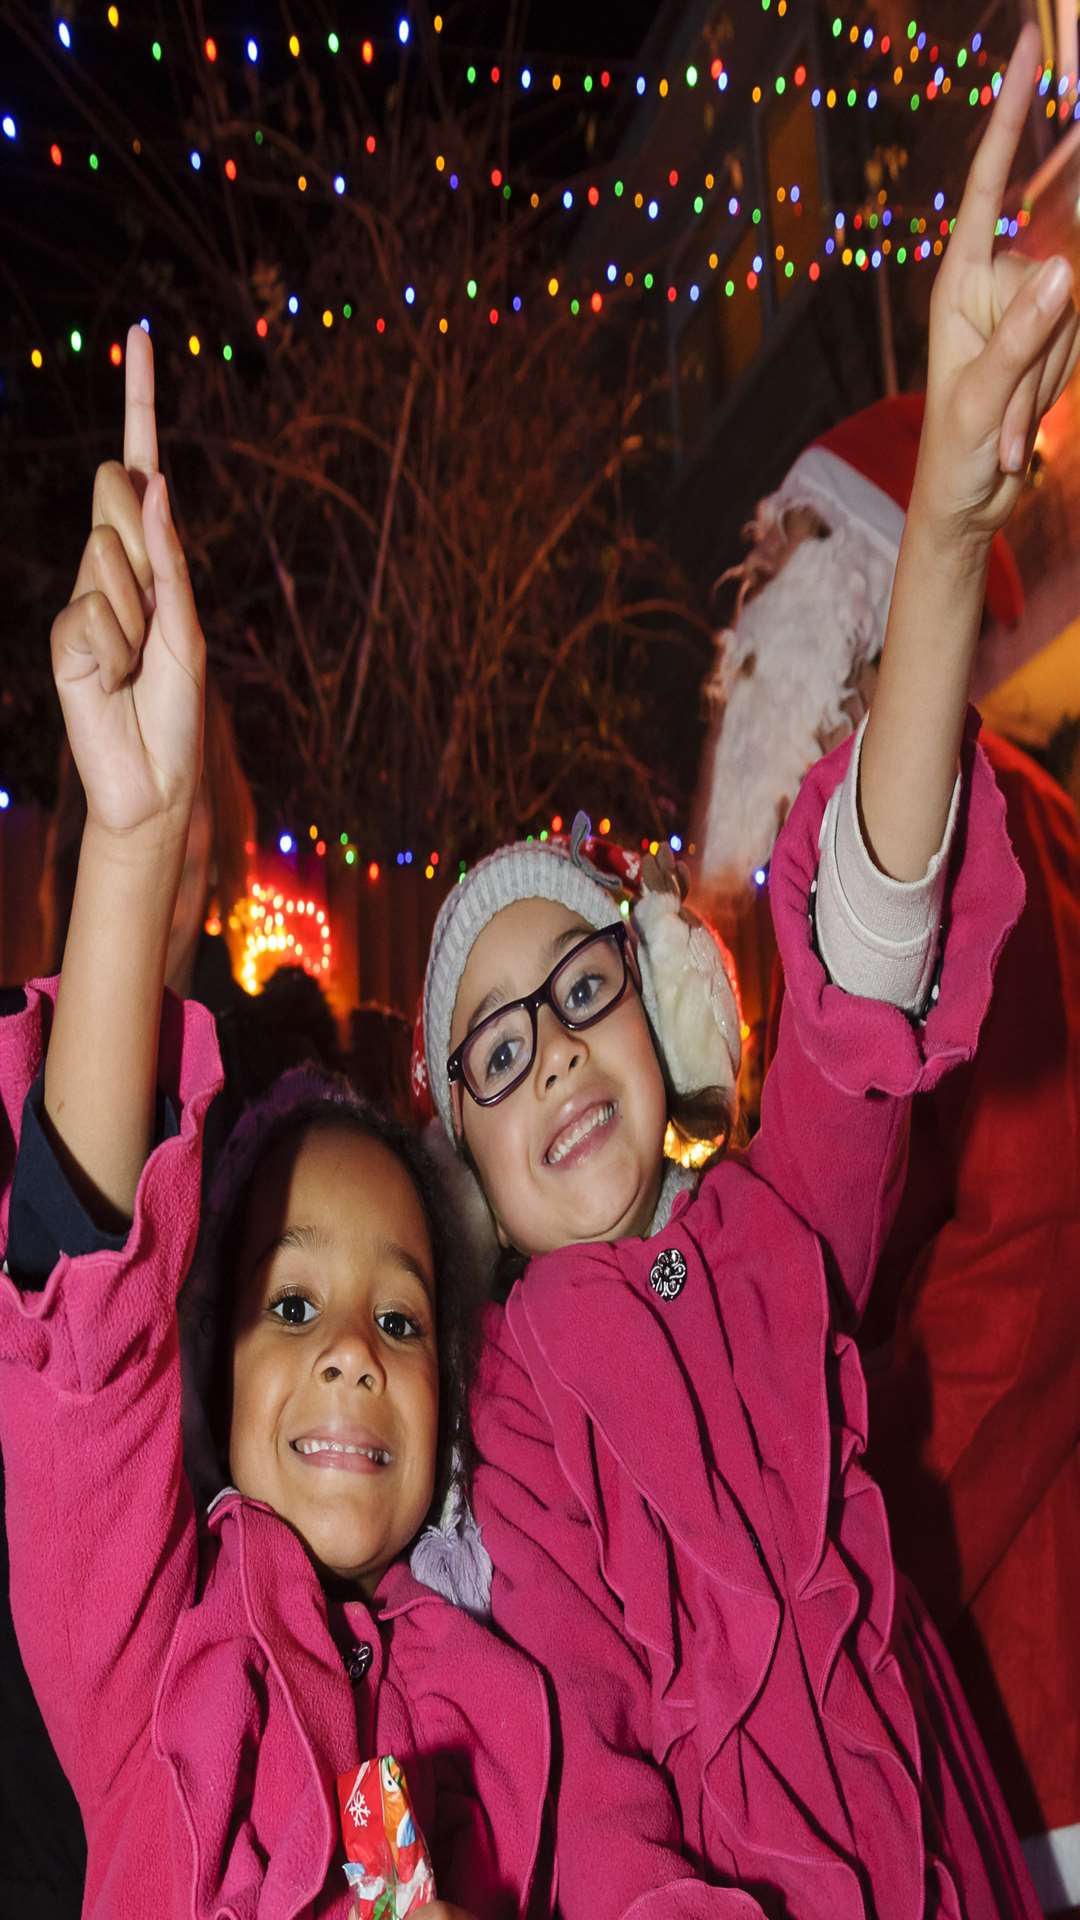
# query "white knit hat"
(687, 976)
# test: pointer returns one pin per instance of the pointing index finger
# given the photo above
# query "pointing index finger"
(976, 223)
(140, 419)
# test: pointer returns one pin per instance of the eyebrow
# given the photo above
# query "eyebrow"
(303, 1239)
(396, 1255)
(501, 996)
(296, 1239)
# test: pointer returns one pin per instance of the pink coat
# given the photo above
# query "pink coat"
(195, 1692)
(755, 1716)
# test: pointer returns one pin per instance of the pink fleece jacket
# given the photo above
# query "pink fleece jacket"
(754, 1714)
(194, 1691)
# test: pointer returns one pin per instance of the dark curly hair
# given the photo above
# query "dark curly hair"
(303, 1099)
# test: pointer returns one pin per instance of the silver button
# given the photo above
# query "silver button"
(357, 1661)
(668, 1275)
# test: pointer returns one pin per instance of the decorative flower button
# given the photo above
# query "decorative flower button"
(357, 1661)
(668, 1276)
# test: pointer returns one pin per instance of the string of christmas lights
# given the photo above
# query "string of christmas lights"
(928, 228)
(615, 281)
(614, 78)
(322, 844)
(940, 85)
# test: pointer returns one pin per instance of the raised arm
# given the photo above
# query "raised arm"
(98, 1514)
(128, 658)
(1003, 343)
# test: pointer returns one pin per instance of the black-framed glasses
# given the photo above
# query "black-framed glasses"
(586, 985)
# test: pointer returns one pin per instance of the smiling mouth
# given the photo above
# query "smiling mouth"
(579, 1130)
(329, 1452)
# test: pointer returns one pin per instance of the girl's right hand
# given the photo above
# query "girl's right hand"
(128, 652)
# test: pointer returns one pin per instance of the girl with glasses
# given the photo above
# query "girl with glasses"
(754, 1713)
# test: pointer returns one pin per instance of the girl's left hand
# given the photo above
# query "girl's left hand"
(1003, 339)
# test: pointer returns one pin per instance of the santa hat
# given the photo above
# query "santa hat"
(863, 471)
(799, 640)
(687, 975)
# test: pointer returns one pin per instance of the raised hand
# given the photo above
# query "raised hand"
(1003, 338)
(128, 651)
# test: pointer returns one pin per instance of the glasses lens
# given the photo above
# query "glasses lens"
(497, 1053)
(591, 980)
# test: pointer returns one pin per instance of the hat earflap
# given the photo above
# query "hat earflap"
(698, 1018)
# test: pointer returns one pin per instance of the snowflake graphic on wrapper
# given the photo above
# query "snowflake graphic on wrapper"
(357, 1807)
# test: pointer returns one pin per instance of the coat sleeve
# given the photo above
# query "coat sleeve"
(618, 1834)
(100, 1523)
(834, 1115)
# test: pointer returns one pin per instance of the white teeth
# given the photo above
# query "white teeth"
(597, 1117)
(378, 1454)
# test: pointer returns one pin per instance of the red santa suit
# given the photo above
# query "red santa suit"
(972, 1341)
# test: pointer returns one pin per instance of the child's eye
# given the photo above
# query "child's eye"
(293, 1309)
(399, 1326)
(503, 1057)
(583, 992)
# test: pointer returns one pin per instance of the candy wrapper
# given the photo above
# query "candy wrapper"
(386, 1861)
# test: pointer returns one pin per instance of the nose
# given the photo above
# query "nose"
(352, 1355)
(558, 1052)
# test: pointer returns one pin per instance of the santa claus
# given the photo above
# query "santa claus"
(973, 1341)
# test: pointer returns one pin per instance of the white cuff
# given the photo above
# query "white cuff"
(877, 937)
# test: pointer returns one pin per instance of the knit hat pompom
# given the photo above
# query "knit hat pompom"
(687, 975)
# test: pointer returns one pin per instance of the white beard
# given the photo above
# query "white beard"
(803, 637)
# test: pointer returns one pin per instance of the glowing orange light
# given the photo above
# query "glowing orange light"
(367, 53)
(230, 169)
(55, 155)
(596, 302)
(116, 354)
(373, 870)
(370, 143)
(210, 50)
(605, 825)
(262, 327)
(556, 824)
